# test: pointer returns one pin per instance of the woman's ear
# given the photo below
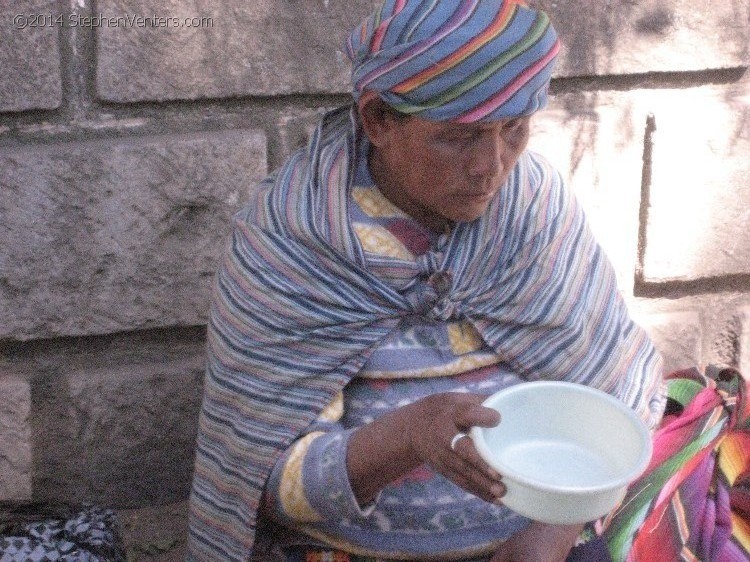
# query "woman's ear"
(375, 119)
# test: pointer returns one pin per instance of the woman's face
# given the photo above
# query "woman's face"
(441, 171)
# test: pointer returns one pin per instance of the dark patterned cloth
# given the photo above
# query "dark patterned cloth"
(91, 535)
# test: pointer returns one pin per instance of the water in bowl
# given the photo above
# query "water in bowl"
(557, 463)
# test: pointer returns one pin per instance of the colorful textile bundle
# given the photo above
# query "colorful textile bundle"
(463, 61)
(693, 501)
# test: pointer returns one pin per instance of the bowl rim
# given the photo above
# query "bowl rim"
(509, 473)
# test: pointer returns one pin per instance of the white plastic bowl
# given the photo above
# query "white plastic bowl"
(566, 452)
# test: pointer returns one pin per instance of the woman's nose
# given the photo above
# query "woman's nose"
(486, 156)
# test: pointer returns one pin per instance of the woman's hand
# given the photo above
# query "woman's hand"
(539, 542)
(442, 416)
(421, 432)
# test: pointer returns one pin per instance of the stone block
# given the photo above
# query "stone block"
(277, 47)
(678, 336)
(15, 439)
(30, 55)
(626, 37)
(262, 48)
(115, 235)
(116, 423)
(699, 204)
(595, 139)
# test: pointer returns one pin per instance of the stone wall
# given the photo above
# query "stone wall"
(131, 130)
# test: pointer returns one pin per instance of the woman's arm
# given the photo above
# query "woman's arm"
(539, 542)
(393, 445)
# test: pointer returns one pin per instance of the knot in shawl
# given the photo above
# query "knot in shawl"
(464, 61)
(299, 305)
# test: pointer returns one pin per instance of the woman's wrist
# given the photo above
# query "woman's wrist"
(539, 542)
(380, 452)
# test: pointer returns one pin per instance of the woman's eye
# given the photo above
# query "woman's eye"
(459, 139)
(512, 125)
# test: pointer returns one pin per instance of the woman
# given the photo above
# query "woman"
(414, 258)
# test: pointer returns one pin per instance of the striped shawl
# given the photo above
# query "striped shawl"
(298, 306)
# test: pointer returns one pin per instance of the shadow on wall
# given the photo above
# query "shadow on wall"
(113, 419)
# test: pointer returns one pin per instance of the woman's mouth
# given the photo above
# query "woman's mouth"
(478, 195)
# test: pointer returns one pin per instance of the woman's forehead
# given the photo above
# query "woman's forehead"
(454, 127)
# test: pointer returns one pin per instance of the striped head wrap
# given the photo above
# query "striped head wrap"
(455, 60)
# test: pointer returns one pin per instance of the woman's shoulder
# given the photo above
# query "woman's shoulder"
(290, 194)
(538, 173)
(534, 182)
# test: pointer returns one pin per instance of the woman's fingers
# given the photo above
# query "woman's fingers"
(474, 414)
(466, 468)
(463, 465)
(468, 452)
